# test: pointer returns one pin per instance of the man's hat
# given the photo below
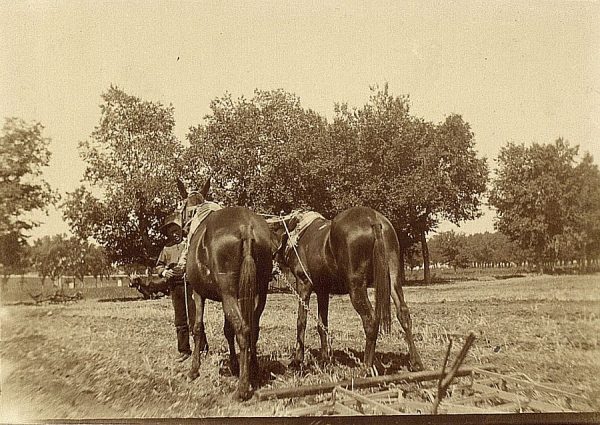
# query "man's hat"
(174, 218)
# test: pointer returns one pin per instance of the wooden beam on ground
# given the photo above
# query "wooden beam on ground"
(345, 410)
(457, 408)
(365, 400)
(474, 398)
(306, 411)
(509, 407)
(305, 390)
(511, 397)
(417, 405)
(541, 387)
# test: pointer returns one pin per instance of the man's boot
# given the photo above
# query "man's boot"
(183, 343)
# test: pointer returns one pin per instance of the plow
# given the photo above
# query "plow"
(459, 389)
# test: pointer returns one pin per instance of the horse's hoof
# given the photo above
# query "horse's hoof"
(192, 375)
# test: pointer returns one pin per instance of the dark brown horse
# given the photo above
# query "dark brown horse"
(358, 248)
(229, 260)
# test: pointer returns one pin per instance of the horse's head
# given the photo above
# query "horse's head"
(191, 198)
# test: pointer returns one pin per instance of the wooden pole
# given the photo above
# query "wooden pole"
(305, 390)
(361, 398)
(446, 380)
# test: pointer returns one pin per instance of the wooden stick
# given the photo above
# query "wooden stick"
(417, 405)
(457, 408)
(381, 407)
(444, 382)
(441, 391)
(459, 359)
(510, 397)
(530, 384)
(345, 410)
(509, 407)
(305, 411)
(301, 391)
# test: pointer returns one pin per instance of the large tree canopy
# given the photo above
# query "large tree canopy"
(536, 194)
(132, 161)
(262, 152)
(415, 172)
(23, 156)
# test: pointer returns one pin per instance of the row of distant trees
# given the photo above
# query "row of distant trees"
(269, 153)
(53, 257)
(493, 250)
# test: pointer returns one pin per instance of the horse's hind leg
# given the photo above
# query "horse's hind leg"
(405, 321)
(199, 332)
(361, 303)
(262, 299)
(304, 291)
(229, 332)
(323, 303)
(233, 315)
(200, 343)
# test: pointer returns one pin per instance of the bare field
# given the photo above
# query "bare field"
(114, 359)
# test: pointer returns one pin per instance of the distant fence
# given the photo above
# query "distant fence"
(34, 283)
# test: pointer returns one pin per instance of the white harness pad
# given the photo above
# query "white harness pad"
(200, 214)
(306, 220)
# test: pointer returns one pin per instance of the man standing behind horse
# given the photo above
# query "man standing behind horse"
(181, 295)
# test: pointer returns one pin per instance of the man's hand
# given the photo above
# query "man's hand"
(168, 274)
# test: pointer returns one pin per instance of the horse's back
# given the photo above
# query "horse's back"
(228, 227)
(353, 233)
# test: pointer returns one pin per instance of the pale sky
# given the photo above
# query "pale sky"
(519, 71)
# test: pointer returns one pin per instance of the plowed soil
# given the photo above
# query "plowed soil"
(114, 358)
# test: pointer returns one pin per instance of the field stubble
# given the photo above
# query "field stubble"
(115, 359)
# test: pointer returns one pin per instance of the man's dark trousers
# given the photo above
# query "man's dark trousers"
(183, 324)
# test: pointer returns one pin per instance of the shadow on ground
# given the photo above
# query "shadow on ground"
(120, 299)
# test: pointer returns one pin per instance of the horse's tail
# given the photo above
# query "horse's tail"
(247, 290)
(381, 277)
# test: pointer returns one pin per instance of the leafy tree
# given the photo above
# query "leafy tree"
(14, 256)
(534, 197)
(452, 248)
(50, 257)
(414, 172)
(480, 248)
(132, 161)
(584, 229)
(40, 253)
(23, 155)
(59, 255)
(262, 152)
(97, 263)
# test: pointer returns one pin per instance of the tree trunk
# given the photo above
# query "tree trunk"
(5, 283)
(425, 250)
(402, 267)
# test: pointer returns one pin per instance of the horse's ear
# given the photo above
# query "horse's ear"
(205, 188)
(181, 188)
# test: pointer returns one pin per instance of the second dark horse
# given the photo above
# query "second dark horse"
(358, 248)
(229, 260)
